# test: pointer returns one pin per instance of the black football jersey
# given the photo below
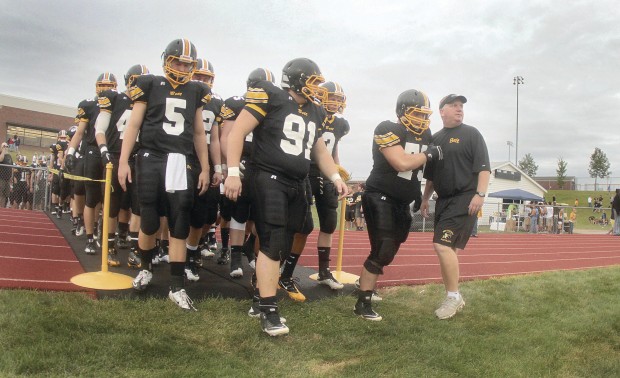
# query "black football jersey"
(168, 124)
(334, 128)
(210, 115)
(119, 105)
(59, 146)
(401, 186)
(465, 155)
(88, 112)
(286, 133)
(229, 112)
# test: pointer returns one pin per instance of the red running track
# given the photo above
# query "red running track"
(489, 255)
(34, 254)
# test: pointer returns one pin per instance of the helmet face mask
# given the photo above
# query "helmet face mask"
(335, 99)
(204, 72)
(179, 54)
(104, 82)
(62, 135)
(413, 111)
(304, 77)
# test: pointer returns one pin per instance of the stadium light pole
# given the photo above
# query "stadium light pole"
(509, 143)
(518, 80)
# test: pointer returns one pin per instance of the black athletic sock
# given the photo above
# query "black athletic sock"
(90, 238)
(324, 253)
(248, 247)
(225, 233)
(146, 256)
(236, 251)
(123, 228)
(164, 245)
(177, 272)
(134, 239)
(364, 296)
(289, 266)
(268, 304)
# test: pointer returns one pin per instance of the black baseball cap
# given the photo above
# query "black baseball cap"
(450, 99)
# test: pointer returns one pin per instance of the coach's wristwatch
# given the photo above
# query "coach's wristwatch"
(481, 194)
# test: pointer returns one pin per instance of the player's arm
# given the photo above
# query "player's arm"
(200, 143)
(225, 131)
(77, 138)
(101, 126)
(215, 153)
(328, 167)
(129, 140)
(428, 192)
(244, 124)
(402, 161)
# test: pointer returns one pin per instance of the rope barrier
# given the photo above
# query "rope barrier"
(73, 177)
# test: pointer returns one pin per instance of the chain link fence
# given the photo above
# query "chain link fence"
(25, 187)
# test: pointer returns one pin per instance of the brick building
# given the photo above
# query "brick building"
(35, 122)
(551, 182)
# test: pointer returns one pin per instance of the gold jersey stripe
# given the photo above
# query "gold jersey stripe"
(135, 92)
(104, 102)
(257, 109)
(387, 140)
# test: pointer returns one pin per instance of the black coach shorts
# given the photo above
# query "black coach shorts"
(453, 224)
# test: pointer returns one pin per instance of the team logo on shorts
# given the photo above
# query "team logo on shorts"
(446, 236)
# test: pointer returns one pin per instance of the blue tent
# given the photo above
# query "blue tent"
(516, 195)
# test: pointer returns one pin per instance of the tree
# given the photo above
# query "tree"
(561, 171)
(599, 166)
(528, 165)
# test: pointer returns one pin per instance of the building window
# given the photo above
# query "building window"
(31, 136)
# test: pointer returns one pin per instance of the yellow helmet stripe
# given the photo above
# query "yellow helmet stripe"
(268, 74)
(186, 47)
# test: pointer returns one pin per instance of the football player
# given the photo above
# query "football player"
(287, 125)
(87, 115)
(21, 183)
(240, 210)
(77, 187)
(57, 151)
(168, 114)
(204, 211)
(326, 199)
(114, 112)
(399, 152)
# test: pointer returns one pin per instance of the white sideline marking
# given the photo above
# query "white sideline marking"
(41, 281)
(37, 259)
(37, 245)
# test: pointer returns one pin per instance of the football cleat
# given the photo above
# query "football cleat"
(181, 299)
(80, 230)
(113, 257)
(123, 241)
(91, 248)
(212, 245)
(272, 325)
(142, 280)
(191, 273)
(224, 256)
(206, 252)
(254, 312)
(133, 261)
(365, 311)
(329, 280)
(290, 286)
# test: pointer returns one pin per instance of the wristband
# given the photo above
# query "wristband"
(103, 148)
(218, 168)
(335, 176)
(233, 171)
(224, 167)
(71, 151)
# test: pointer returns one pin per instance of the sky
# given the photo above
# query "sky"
(568, 53)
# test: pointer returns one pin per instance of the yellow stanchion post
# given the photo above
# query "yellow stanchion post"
(342, 277)
(104, 280)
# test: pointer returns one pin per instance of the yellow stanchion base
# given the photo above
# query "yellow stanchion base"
(342, 277)
(103, 280)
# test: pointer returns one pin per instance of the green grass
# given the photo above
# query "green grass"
(583, 212)
(554, 324)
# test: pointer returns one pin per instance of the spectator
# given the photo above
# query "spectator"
(604, 219)
(534, 219)
(549, 218)
(589, 201)
(560, 221)
(17, 142)
(474, 231)
(6, 160)
(571, 220)
(11, 144)
(576, 202)
(615, 211)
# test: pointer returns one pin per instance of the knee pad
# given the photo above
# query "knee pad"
(93, 193)
(383, 256)
(308, 224)
(149, 220)
(328, 219)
